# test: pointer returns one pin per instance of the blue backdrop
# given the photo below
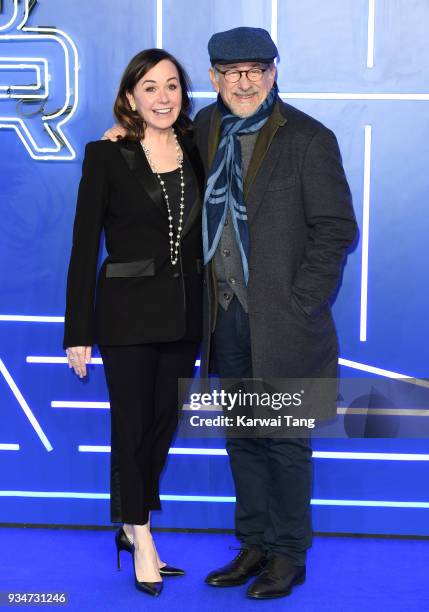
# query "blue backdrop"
(359, 66)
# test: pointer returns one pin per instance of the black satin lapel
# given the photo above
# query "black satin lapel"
(193, 214)
(194, 158)
(137, 163)
(129, 155)
(191, 152)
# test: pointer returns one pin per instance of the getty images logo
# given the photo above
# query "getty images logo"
(38, 82)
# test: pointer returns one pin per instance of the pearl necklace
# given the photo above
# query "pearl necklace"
(174, 244)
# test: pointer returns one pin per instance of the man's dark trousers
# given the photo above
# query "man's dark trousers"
(272, 476)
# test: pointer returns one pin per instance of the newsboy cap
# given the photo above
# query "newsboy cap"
(242, 45)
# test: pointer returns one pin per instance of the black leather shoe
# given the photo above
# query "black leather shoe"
(123, 543)
(246, 564)
(169, 570)
(277, 579)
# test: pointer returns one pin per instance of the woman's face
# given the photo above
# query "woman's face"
(158, 96)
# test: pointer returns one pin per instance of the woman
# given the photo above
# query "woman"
(145, 312)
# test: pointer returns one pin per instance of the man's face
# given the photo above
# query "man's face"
(245, 96)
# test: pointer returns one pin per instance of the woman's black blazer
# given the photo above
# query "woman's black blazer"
(140, 296)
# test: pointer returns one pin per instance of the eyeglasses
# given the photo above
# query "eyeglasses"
(233, 76)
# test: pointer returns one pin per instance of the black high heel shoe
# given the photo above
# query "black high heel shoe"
(151, 588)
(123, 543)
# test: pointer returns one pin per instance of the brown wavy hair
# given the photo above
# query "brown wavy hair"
(136, 69)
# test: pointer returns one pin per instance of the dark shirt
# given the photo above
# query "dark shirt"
(173, 189)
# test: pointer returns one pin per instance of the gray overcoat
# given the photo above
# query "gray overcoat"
(301, 223)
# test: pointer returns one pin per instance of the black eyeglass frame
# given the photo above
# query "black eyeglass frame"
(225, 72)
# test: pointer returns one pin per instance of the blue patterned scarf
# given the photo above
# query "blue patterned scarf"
(225, 182)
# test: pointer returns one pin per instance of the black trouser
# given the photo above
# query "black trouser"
(143, 390)
(272, 476)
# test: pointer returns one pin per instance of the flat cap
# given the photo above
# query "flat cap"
(241, 45)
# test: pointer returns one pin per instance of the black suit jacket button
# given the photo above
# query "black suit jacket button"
(176, 275)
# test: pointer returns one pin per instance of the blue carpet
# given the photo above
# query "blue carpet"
(343, 574)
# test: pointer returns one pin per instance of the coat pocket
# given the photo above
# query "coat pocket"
(144, 267)
(319, 316)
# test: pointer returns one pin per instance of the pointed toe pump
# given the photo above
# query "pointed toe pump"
(123, 543)
(169, 570)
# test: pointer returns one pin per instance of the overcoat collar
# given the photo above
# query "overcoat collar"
(133, 154)
(262, 145)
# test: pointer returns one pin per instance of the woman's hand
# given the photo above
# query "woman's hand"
(114, 133)
(78, 357)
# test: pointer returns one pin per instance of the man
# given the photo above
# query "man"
(275, 250)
